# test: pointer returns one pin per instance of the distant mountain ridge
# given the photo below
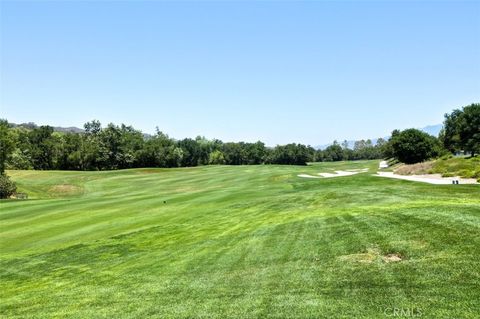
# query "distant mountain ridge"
(31, 125)
(433, 129)
(430, 129)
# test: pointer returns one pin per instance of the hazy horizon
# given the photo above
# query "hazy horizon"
(278, 72)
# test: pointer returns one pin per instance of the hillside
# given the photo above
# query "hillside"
(31, 125)
(237, 242)
(448, 167)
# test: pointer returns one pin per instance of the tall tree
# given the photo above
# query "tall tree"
(43, 147)
(7, 144)
(450, 133)
(469, 130)
(413, 146)
(461, 130)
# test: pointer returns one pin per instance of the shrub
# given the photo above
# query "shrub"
(7, 187)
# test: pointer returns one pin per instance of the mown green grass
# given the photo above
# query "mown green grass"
(237, 242)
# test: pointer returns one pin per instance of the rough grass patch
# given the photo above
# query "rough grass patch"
(415, 169)
(64, 189)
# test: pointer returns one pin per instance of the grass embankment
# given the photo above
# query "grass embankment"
(467, 167)
(238, 242)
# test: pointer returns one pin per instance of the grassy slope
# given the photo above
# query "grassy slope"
(468, 167)
(245, 242)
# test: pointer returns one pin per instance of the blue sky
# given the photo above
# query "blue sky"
(279, 72)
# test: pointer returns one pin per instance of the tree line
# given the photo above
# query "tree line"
(120, 146)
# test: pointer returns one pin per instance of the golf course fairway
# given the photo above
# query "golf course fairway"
(238, 242)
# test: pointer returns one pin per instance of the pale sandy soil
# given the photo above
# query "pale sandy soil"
(428, 178)
(337, 173)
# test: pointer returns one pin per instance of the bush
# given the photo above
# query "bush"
(7, 187)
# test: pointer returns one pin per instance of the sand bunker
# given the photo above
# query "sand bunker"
(359, 170)
(428, 178)
(336, 174)
(383, 164)
(307, 176)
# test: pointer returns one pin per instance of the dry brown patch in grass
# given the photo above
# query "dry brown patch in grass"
(391, 258)
(415, 169)
(365, 258)
(65, 189)
(372, 255)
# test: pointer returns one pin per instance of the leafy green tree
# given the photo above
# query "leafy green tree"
(461, 129)
(192, 152)
(380, 142)
(333, 152)
(131, 143)
(469, 129)
(450, 133)
(216, 158)
(93, 127)
(19, 160)
(234, 153)
(110, 138)
(413, 146)
(92, 154)
(43, 147)
(255, 153)
(205, 147)
(160, 151)
(292, 154)
(7, 144)
(20, 157)
(175, 156)
(7, 187)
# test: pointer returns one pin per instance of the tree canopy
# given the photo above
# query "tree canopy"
(121, 146)
(461, 130)
(414, 146)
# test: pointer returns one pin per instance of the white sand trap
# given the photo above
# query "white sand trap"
(359, 170)
(383, 164)
(337, 173)
(428, 178)
(307, 176)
